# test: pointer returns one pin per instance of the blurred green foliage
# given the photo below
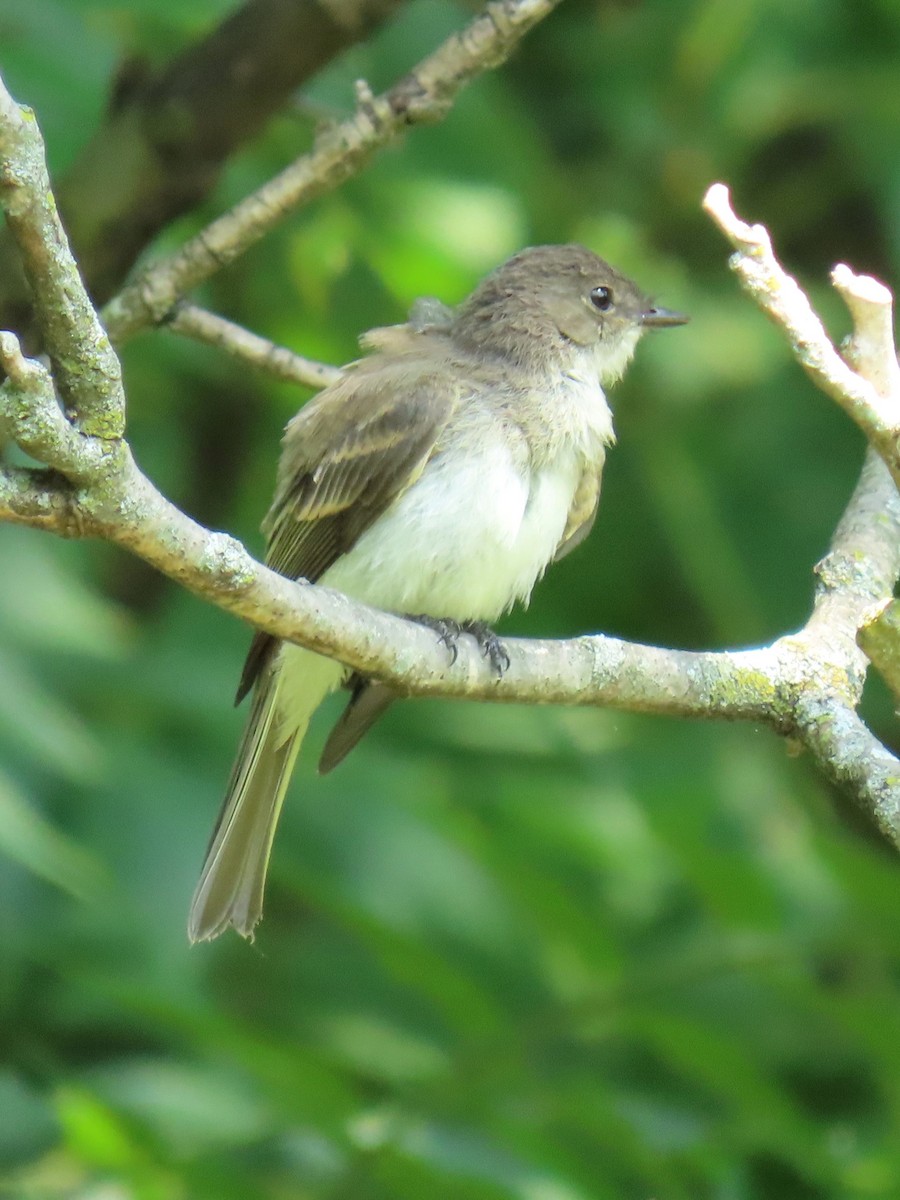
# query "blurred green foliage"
(508, 953)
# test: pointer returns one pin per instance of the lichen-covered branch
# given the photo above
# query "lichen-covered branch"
(850, 755)
(424, 95)
(879, 639)
(86, 370)
(806, 684)
(39, 499)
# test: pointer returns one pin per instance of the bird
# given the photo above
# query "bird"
(438, 478)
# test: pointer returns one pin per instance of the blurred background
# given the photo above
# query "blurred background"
(509, 954)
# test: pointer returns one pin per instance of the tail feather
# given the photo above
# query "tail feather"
(370, 700)
(232, 882)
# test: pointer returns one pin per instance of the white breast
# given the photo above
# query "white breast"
(475, 532)
(466, 541)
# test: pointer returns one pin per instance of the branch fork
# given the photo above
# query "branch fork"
(866, 382)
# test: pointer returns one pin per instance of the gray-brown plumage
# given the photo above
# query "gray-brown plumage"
(439, 476)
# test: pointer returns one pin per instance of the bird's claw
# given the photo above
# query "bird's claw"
(449, 632)
(491, 646)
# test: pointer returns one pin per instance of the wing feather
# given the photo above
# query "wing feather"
(582, 513)
(347, 455)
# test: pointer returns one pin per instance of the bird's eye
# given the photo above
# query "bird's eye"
(602, 298)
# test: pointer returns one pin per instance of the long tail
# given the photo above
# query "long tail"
(232, 882)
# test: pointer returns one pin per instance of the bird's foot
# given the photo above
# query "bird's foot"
(449, 632)
(491, 646)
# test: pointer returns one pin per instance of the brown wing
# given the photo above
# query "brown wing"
(581, 513)
(347, 455)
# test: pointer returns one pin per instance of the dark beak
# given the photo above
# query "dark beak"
(662, 318)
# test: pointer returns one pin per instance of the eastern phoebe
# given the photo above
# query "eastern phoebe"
(439, 476)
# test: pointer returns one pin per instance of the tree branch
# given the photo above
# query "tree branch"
(86, 369)
(852, 757)
(873, 403)
(594, 670)
(863, 563)
(160, 150)
(879, 639)
(424, 95)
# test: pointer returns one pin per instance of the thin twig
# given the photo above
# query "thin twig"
(203, 326)
(159, 149)
(425, 94)
(870, 349)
